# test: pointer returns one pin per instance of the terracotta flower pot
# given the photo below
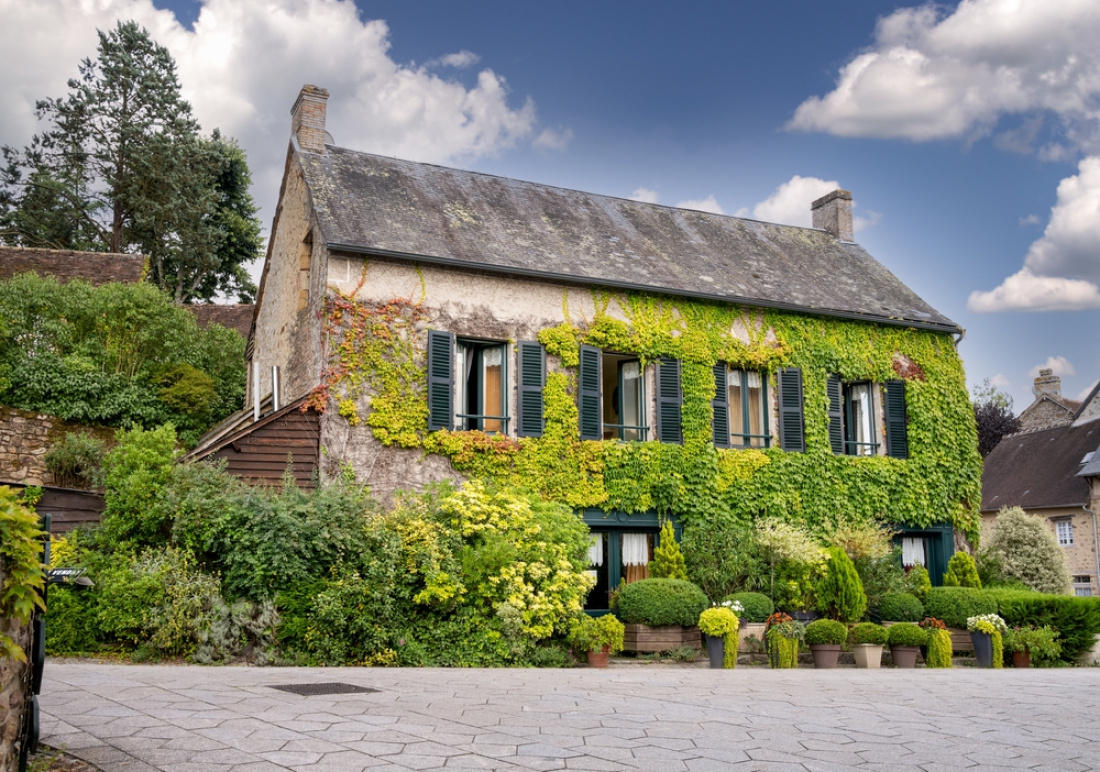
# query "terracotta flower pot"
(599, 658)
(825, 655)
(868, 655)
(1021, 659)
(904, 656)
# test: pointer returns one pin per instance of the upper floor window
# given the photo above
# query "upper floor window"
(467, 383)
(1064, 530)
(747, 392)
(859, 420)
(612, 396)
(854, 419)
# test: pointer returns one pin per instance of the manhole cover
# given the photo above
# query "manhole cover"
(312, 690)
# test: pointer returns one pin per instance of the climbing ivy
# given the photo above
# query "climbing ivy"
(378, 351)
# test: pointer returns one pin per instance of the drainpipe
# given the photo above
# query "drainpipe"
(1095, 542)
(958, 340)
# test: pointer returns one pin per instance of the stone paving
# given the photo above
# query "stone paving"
(661, 718)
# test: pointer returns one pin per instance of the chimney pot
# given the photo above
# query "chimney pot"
(833, 214)
(1047, 383)
(308, 118)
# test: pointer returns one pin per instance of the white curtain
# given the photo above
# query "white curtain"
(595, 550)
(635, 549)
(912, 551)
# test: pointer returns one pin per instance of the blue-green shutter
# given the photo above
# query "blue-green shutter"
(440, 380)
(792, 435)
(721, 406)
(670, 398)
(588, 405)
(897, 434)
(532, 380)
(836, 414)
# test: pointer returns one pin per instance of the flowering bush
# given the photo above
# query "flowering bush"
(986, 623)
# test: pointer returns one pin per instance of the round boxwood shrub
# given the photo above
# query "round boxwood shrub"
(825, 631)
(901, 607)
(659, 602)
(954, 605)
(867, 632)
(756, 607)
(906, 634)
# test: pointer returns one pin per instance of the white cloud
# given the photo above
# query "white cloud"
(789, 204)
(553, 139)
(242, 66)
(1061, 271)
(1031, 219)
(1059, 365)
(932, 76)
(1085, 392)
(645, 195)
(460, 60)
(1000, 381)
(708, 204)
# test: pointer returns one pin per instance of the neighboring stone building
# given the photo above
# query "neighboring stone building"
(1052, 469)
(634, 361)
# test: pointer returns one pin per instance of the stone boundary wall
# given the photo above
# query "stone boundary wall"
(13, 674)
(25, 436)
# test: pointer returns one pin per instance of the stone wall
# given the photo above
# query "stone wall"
(25, 436)
(13, 675)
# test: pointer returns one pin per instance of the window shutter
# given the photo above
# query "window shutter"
(897, 434)
(440, 380)
(532, 380)
(836, 414)
(589, 397)
(721, 406)
(669, 401)
(792, 436)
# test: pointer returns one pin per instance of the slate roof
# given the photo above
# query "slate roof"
(236, 317)
(1039, 469)
(94, 267)
(377, 205)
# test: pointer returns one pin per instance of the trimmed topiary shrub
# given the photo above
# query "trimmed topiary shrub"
(867, 632)
(906, 634)
(840, 592)
(826, 631)
(1029, 551)
(954, 605)
(756, 606)
(961, 572)
(659, 602)
(901, 607)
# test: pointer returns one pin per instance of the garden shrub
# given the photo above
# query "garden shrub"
(793, 560)
(668, 560)
(867, 632)
(136, 472)
(722, 559)
(659, 602)
(938, 651)
(917, 581)
(20, 551)
(961, 572)
(839, 592)
(906, 634)
(826, 631)
(954, 605)
(76, 460)
(241, 629)
(1077, 620)
(755, 606)
(876, 559)
(901, 607)
(1029, 551)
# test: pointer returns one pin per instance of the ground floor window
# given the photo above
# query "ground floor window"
(1082, 585)
(620, 552)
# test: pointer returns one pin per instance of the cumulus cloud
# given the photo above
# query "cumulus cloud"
(789, 204)
(553, 139)
(1031, 219)
(1000, 381)
(242, 64)
(1058, 365)
(930, 75)
(708, 204)
(645, 195)
(1061, 271)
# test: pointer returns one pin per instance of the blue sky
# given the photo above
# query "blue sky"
(968, 133)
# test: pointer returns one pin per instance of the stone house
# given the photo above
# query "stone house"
(1052, 469)
(634, 361)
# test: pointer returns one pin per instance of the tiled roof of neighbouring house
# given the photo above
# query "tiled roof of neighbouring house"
(376, 205)
(235, 317)
(1039, 469)
(93, 267)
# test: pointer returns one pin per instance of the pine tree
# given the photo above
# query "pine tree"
(840, 592)
(961, 572)
(668, 560)
(123, 168)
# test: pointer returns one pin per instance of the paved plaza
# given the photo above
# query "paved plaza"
(628, 717)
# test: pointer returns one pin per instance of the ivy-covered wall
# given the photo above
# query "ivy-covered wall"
(376, 381)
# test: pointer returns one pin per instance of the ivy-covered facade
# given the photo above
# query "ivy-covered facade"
(636, 362)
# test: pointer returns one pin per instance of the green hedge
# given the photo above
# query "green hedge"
(953, 605)
(901, 607)
(756, 606)
(661, 602)
(1077, 620)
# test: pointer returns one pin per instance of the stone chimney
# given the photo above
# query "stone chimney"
(308, 119)
(1047, 383)
(833, 213)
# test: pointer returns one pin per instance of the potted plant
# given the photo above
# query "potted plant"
(719, 624)
(905, 640)
(825, 637)
(938, 649)
(783, 635)
(866, 640)
(599, 637)
(986, 631)
(1026, 642)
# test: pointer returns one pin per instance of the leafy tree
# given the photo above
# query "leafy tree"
(993, 414)
(123, 168)
(1029, 551)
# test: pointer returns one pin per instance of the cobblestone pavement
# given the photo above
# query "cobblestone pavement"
(195, 719)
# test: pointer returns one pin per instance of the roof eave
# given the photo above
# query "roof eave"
(355, 249)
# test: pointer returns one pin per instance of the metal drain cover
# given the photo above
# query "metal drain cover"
(313, 690)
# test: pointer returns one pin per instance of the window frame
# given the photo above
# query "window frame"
(462, 419)
(1061, 524)
(746, 437)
